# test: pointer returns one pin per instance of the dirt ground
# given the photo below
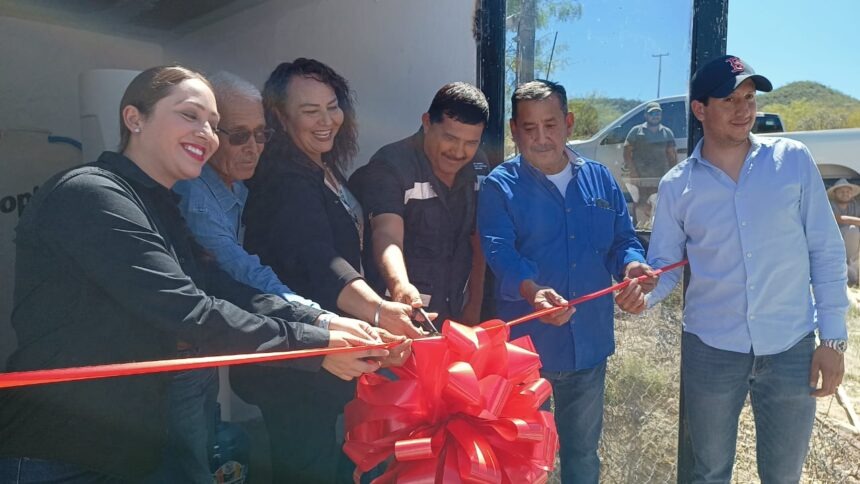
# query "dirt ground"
(852, 357)
(639, 443)
(834, 454)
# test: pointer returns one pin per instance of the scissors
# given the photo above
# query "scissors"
(427, 324)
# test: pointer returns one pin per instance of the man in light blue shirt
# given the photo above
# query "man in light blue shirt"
(753, 217)
(212, 204)
(213, 212)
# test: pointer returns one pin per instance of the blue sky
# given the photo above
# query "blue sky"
(610, 48)
(804, 41)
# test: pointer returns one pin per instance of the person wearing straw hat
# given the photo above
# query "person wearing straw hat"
(846, 209)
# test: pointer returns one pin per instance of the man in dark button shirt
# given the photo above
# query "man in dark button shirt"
(419, 194)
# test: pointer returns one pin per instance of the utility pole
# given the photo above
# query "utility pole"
(659, 69)
(526, 41)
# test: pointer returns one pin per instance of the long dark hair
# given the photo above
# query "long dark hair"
(275, 98)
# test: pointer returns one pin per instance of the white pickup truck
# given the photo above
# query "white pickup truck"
(836, 151)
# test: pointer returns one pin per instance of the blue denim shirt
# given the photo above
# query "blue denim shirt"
(575, 244)
(213, 213)
(754, 248)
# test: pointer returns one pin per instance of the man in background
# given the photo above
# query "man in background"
(649, 152)
(846, 209)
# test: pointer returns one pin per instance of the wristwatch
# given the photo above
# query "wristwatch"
(838, 345)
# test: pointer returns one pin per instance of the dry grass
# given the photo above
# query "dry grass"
(639, 443)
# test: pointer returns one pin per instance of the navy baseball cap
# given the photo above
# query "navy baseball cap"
(721, 76)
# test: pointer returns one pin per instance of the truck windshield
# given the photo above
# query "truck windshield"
(767, 123)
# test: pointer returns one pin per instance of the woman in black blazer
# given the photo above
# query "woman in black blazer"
(304, 223)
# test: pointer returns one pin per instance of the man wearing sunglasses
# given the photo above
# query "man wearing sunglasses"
(212, 205)
(649, 152)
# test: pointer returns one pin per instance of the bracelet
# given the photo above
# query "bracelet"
(376, 314)
(324, 320)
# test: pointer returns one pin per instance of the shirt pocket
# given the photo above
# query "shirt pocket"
(602, 219)
(425, 233)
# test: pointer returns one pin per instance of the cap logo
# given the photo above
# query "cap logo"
(737, 65)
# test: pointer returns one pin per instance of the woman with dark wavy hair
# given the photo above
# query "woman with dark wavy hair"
(302, 221)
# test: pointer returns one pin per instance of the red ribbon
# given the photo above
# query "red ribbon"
(465, 408)
(40, 377)
(594, 295)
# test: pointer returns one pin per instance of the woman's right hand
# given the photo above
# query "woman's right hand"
(355, 327)
(397, 354)
(396, 318)
(353, 364)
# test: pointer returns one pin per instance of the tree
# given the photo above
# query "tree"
(810, 105)
(527, 53)
(803, 115)
(526, 40)
(586, 123)
(853, 120)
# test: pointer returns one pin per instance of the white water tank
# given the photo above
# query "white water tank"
(27, 158)
(100, 92)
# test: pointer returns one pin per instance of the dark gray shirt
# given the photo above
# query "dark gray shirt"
(649, 149)
(438, 221)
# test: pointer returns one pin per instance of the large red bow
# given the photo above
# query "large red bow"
(465, 408)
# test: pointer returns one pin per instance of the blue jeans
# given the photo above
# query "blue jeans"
(716, 383)
(578, 397)
(192, 414)
(21, 470)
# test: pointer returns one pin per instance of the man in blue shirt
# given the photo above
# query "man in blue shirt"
(212, 204)
(554, 225)
(753, 217)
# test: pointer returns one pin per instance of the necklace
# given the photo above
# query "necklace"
(347, 201)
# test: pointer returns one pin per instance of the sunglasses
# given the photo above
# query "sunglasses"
(237, 138)
(655, 113)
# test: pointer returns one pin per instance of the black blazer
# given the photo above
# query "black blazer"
(107, 272)
(299, 228)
